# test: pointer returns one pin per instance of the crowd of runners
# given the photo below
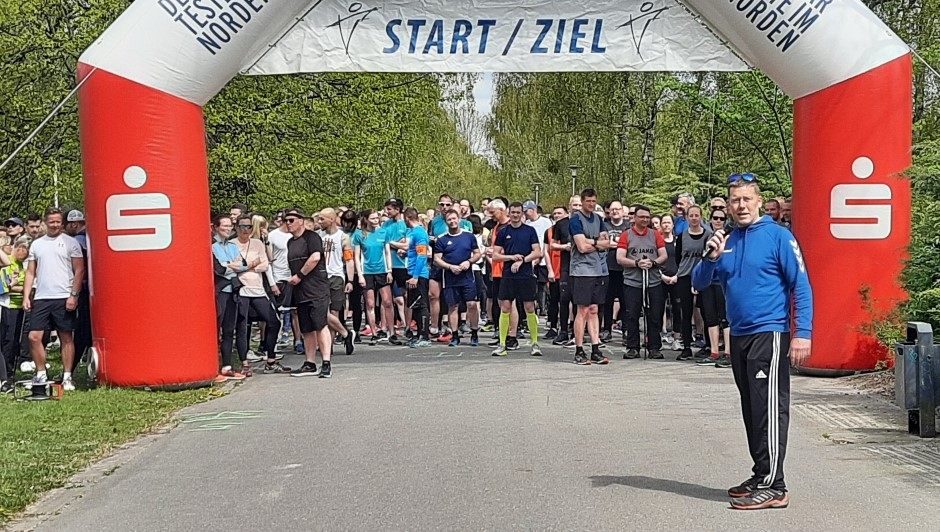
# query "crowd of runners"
(332, 279)
(497, 274)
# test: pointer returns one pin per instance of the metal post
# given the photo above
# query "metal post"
(923, 420)
(574, 178)
(538, 193)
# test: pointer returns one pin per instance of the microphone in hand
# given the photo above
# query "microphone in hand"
(712, 245)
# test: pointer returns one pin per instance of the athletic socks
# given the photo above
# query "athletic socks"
(533, 321)
(596, 349)
(503, 327)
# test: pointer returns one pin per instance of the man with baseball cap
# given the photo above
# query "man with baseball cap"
(541, 224)
(75, 228)
(14, 227)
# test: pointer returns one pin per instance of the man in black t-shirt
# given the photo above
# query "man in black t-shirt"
(561, 241)
(517, 247)
(310, 293)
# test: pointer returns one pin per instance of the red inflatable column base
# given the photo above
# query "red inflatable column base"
(851, 208)
(147, 200)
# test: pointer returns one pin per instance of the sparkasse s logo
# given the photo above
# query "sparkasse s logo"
(144, 231)
(869, 221)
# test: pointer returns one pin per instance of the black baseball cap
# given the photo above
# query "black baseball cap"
(294, 212)
(395, 202)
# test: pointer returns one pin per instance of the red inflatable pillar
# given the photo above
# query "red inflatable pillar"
(851, 208)
(147, 199)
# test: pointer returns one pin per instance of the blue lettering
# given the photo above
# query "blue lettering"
(576, 34)
(415, 28)
(462, 30)
(596, 47)
(436, 38)
(390, 31)
(546, 24)
(486, 24)
(559, 39)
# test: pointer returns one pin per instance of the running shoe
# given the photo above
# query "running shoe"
(724, 361)
(474, 341)
(560, 339)
(39, 381)
(631, 353)
(762, 499)
(231, 375)
(550, 334)
(423, 342)
(677, 345)
(367, 331)
(598, 358)
(686, 354)
(570, 343)
(710, 361)
(68, 384)
(6, 387)
(512, 343)
(308, 369)
(581, 359)
(500, 351)
(445, 338)
(699, 342)
(454, 342)
(744, 489)
(274, 367)
(605, 336)
(396, 340)
(487, 328)
(536, 350)
(299, 348)
(348, 341)
(254, 357)
(465, 328)
(326, 371)
(656, 354)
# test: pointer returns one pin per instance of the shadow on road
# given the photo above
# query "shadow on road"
(660, 484)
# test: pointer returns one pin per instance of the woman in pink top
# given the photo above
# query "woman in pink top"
(253, 298)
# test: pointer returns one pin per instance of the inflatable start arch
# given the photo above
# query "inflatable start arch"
(144, 150)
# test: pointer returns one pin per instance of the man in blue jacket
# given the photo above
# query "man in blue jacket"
(759, 265)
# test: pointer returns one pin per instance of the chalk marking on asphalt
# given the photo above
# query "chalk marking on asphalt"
(214, 426)
(221, 416)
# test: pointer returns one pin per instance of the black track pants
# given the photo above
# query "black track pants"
(761, 366)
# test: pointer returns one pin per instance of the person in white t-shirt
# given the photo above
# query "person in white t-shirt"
(540, 224)
(338, 255)
(53, 283)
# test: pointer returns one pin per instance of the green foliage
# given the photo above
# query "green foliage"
(922, 273)
(310, 140)
(641, 136)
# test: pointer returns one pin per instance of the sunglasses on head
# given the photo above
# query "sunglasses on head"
(718, 207)
(747, 178)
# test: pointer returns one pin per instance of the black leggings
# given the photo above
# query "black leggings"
(226, 307)
(356, 307)
(554, 296)
(675, 304)
(264, 311)
(11, 330)
(614, 292)
(687, 304)
(565, 300)
(713, 307)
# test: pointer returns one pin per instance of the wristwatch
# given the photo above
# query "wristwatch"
(74, 294)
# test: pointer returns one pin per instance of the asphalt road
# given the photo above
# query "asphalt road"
(453, 439)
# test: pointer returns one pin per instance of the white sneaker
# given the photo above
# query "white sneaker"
(68, 385)
(252, 357)
(677, 344)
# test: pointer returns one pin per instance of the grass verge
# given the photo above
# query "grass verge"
(44, 443)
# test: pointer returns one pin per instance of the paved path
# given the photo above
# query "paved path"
(451, 439)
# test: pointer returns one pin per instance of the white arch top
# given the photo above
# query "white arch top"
(192, 48)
